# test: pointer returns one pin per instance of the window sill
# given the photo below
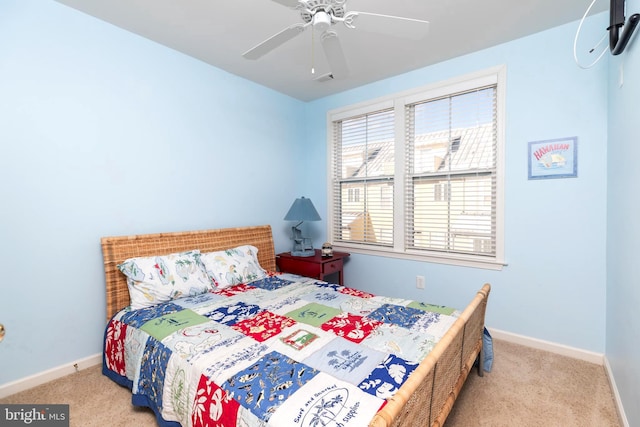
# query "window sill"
(455, 260)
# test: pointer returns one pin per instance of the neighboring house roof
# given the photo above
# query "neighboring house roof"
(447, 150)
(368, 161)
(460, 149)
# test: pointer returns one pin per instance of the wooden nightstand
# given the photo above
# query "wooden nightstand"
(316, 266)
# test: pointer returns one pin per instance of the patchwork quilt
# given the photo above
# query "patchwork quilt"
(280, 351)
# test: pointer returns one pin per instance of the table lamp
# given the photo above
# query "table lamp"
(301, 210)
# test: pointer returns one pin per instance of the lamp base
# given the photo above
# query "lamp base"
(304, 253)
(302, 246)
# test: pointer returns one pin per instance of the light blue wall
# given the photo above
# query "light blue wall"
(106, 133)
(554, 286)
(623, 232)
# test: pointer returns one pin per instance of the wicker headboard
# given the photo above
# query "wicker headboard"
(115, 250)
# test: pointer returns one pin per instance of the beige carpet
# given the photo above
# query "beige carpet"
(533, 388)
(526, 387)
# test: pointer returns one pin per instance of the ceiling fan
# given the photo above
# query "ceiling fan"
(322, 15)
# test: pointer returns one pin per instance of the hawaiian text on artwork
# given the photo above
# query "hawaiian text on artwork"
(540, 152)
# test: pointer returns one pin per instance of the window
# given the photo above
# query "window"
(419, 174)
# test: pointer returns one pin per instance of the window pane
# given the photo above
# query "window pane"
(456, 133)
(364, 148)
(369, 219)
(367, 146)
(454, 215)
(451, 195)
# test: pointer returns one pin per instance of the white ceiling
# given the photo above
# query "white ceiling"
(219, 32)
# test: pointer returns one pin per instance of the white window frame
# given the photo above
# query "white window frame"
(493, 76)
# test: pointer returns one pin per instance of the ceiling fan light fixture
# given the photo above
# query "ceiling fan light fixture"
(321, 21)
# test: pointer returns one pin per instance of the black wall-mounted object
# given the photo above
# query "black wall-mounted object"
(617, 42)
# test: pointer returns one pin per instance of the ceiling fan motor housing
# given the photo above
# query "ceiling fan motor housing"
(321, 21)
(320, 13)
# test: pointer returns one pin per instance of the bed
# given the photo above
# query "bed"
(249, 335)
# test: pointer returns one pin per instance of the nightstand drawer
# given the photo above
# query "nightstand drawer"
(302, 268)
(315, 266)
(332, 267)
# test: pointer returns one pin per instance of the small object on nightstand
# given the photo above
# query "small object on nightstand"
(327, 249)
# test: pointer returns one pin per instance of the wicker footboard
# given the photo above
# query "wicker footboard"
(428, 395)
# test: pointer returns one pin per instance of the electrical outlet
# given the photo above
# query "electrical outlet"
(420, 282)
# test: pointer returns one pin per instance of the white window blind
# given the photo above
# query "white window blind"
(451, 173)
(363, 178)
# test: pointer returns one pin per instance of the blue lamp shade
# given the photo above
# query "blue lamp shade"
(301, 210)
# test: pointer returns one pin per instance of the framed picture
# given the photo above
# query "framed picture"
(553, 158)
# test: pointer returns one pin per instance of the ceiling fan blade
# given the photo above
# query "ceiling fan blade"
(274, 41)
(288, 3)
(386, 24)
(335, 55)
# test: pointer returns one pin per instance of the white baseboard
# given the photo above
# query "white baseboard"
(49, 375)
(616, 394)
(549, 346)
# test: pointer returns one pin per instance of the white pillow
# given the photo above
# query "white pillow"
(157, 279)
(233, 266)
